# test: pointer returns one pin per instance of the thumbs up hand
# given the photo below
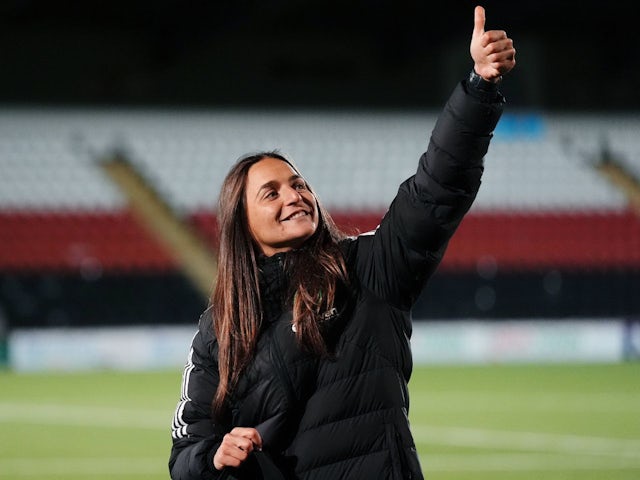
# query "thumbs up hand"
(492, 51)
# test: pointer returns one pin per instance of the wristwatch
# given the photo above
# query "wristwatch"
(480, 83)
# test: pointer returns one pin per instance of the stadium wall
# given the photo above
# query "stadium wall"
(468, 342)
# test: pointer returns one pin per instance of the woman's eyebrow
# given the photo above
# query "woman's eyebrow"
(271, 184)
(274, 183)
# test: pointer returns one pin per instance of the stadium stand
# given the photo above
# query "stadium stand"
(549, 234)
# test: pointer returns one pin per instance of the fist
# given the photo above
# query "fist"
(236, 447)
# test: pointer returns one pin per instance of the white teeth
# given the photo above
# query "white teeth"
(297, 215)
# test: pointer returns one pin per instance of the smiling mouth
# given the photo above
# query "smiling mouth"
(299, 214)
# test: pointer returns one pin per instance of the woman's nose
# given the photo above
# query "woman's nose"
(292, 195)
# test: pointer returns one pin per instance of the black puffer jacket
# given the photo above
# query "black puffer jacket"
(346, 417)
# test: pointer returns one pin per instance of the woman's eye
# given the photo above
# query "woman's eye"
(300, 186)
(271, 194)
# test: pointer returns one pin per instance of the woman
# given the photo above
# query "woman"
(300, 365)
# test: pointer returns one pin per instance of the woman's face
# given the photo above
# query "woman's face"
(281, 210)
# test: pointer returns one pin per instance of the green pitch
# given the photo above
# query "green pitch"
(557, 422)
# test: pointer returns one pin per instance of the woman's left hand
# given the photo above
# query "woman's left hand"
(492, 51)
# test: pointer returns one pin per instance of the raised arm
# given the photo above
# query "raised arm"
(407, 247)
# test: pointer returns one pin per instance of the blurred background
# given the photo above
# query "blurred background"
(119, 120)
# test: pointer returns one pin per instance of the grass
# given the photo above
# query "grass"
(517, 422)
(528, 422)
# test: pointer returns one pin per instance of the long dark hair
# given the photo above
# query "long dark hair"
(316, 270)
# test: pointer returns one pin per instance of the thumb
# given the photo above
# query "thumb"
(478, 21)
